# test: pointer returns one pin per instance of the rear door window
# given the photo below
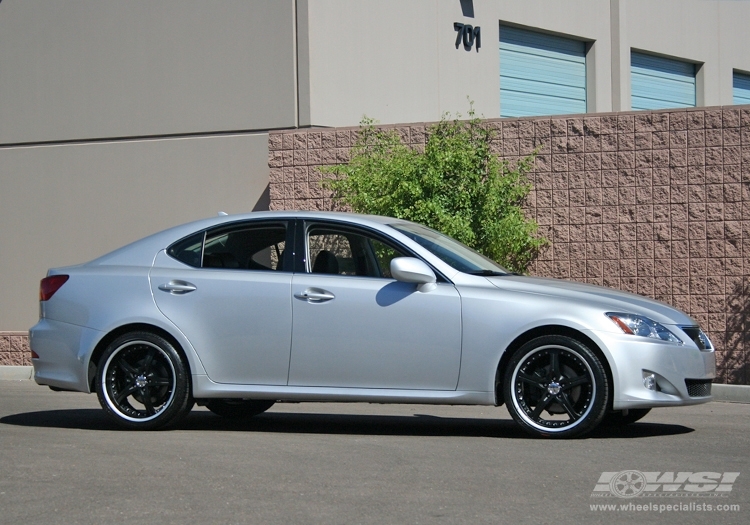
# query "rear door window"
(236, 247)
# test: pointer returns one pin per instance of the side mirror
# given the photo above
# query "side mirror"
(412, 270)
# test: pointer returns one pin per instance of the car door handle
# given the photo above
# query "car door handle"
(177, 287)
(315, 295)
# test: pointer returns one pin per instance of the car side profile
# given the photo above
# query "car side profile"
(239, 312)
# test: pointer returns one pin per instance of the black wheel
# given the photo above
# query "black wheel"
(236, 408)
(555, 386)
(142, 382)
(625, 417)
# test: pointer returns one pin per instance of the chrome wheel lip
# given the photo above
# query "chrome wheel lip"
(106, 391)
(522, 411)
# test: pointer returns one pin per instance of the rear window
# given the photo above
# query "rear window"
(189, 250)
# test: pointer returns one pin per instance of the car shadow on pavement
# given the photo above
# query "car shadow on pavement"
(342, 424)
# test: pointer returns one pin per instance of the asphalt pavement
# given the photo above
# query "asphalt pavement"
(62, 461)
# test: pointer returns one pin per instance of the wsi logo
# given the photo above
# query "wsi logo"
(634, 483)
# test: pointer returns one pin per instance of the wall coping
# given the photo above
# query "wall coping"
(739, 107)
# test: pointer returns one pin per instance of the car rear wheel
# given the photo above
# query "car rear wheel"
(142, 382)
(238, 408)
(555, 386)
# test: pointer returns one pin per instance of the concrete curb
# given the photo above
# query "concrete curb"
(724, 393)
(731, 393)
(16, 373)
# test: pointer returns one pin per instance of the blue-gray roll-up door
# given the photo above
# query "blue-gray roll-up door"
(740, 88)
(541, 74)
(660, 83)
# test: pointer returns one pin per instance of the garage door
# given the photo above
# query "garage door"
(659, 83)
(541, 74)
(741, 88)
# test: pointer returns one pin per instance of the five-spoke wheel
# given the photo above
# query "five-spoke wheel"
(142, 382)
(555, 386)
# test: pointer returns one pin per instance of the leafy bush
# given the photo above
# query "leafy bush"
(456, 186)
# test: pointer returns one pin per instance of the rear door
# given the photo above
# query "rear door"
(232, 299)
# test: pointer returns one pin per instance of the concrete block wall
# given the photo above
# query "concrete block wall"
(14, 349)
(656, 203)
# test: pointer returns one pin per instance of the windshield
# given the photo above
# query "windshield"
(449, 250)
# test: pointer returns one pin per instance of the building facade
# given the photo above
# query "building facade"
(119, 119)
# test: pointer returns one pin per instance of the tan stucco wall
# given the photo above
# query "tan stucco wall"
(66, 204)
(89, 69)
(396, 61)
(118, 119)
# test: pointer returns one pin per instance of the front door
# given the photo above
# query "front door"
(355, 326)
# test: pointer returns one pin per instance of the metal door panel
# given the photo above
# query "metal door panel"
(541, 74)
(659, 82)
(238, 321)
(374, 333)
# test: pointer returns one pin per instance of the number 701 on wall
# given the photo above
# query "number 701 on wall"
(468, 34)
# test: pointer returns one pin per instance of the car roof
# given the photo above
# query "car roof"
(287, 214)
(142, 251)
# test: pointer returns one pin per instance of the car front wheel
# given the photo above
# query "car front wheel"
(555, 386)
(142, 382)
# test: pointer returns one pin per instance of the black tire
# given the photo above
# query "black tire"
(238, 408)
(625, 417)
(142, 382)
(556, 387)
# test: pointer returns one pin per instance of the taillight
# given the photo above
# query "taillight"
(50, 285)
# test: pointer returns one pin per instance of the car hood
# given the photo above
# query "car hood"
(607, 298)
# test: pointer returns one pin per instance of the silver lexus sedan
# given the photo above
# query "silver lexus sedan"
(239, 312)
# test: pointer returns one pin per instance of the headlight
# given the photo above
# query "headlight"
(639, 325)
(705, 340)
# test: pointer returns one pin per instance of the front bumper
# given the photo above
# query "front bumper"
(683, 372)
(64, 351)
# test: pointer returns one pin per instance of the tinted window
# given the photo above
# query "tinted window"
(188, 250)
(343, 252)
(449, 250)
(242, 247)
(246, 248)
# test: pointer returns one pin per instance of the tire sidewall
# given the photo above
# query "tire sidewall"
(598, 404)
(180, 402)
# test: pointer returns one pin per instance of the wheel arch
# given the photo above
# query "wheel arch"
(540, 331)
(124, 329)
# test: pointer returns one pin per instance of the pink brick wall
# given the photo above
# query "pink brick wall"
(656, 203)
(14, 349)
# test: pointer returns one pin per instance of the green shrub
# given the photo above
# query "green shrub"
(456, 186)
